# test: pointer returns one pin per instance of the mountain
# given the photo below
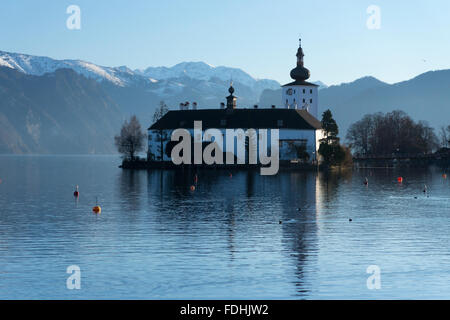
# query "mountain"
(425, 97)
(140, 91)
(59, 112)
(74, 106)
(125, 77)
(38, 66)
(204, 71)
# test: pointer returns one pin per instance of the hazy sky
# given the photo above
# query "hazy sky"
(257, 36)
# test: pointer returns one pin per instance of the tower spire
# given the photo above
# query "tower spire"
(300, 73)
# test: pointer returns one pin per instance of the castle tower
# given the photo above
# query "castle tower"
(231, 100)
(301, 94)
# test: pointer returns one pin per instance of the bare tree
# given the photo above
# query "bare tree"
(161, 135)
(444, 136)
(131, 139)
(393, 132)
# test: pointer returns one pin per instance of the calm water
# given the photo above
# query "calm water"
(155, 239)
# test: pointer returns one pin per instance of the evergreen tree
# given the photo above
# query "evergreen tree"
(330, 149)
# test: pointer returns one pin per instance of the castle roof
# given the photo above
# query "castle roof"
(239, 118)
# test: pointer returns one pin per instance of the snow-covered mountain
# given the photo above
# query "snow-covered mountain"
(123, 76)
(36, 65)
(204, 71)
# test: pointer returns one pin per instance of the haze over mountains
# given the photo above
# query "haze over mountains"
(73, 106)
(425, 97)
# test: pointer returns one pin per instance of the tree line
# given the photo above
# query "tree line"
(390, 133)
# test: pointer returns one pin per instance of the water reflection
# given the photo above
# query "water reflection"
(156, 238)
(245, 209)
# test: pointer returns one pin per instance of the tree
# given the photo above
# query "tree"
(444, 136)
(161, 135)
(131, 138)
(330, 127)
(391, 133)
(330, 149)
(160, 111)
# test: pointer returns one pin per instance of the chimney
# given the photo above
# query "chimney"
(222, 105)
(273, 106)
(194, 105)
(186, 104)
(181, 106)
(255, 106)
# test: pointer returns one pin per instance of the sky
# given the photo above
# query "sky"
(258, 36)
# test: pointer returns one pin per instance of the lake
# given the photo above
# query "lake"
(157, 239)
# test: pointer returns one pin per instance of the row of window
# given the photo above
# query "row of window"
(304, 100)
(290, 91)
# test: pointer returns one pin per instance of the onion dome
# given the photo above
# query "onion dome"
(231, 100)
(231, 89)
(300, 73)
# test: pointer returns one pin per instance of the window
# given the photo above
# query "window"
(223, 122)
(310, 100)
(150, 137)
(304, 91)
(280, 123)
(304, 100)
(310, 91)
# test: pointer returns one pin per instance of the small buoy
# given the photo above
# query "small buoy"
(400, 179)
(192, 188)
(425, 188)
(280, 222)
(299, 209)
(76, 193)
(366, 181)
(96, 209)
(350, 220)
(415, 197)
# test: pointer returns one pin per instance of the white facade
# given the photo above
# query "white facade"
(289, 141)
(301, 97)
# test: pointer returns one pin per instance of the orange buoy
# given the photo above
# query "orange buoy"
(400, 179)
(76, 193)
(192, 188)
(96, 209)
